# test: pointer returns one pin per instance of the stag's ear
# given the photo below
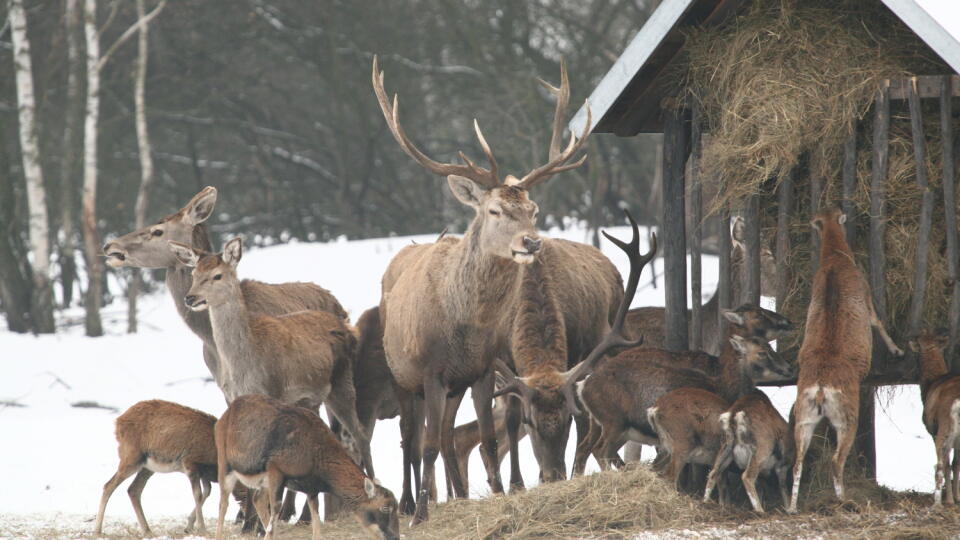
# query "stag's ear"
(233, 251)
(734, 317)
(842, 219)
(370, 488)
(184, 253)
(739, 344)
(200, 206)
(465, 190)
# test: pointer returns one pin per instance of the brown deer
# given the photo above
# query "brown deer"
(303, 358)
(147, 248)
(267, 445)
(448, 308)
(618, 393)
(835, 354)
(940, 392)
(159, 437)
(756, 438)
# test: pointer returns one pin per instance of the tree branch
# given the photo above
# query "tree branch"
(129, 33)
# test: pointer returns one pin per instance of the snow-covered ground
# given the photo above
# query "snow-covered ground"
(55, 457)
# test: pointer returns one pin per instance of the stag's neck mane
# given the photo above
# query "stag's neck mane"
(539, 335)
(239, 364)
(476, 281)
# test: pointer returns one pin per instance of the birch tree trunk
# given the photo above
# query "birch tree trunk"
(42, 299)
(68, 185)
(91, 239)
(146, 158)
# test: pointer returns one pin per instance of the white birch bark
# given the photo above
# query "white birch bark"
(42, 307)
(91, 240)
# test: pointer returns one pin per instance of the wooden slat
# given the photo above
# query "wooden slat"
(850, 183)
(881, 148)
(784, 212)
(950, 212)
(723, 286)
(673, 226)
(696, 237)
(928, 86)
(915, 315)
(750, 289)
(816, 192)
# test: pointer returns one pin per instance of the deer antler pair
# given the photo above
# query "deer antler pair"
(614, 337)
(490, 178)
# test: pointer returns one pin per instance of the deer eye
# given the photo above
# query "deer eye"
(385, 509)
(218, 277)
(494, 212)
(157, 232)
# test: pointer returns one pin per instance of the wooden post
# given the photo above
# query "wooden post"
(816, 191)
(724, 285)
(881, 127)
(915, 316)
(850, 182)
(673, 227)
(696, 237)
(750, 289)
(950, 211)
(784, 209)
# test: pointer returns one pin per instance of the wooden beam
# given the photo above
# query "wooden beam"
(850, 183)
(927, 86)
(673, 227)
(724, 293)
(696, 237)
(816, 192)
(784, 212)
(881, 149)
(915, 315)
(950, 212)
(750, 289)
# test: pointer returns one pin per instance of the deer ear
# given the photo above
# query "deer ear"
(842, 219)
(200, 206)
(370, 488)
(233, 251)
(817, 223)
(184, 253)
(739, 344)
(465, 190)
(737, 226)
(733, 317)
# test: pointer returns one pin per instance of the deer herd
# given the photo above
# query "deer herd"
(539, 331)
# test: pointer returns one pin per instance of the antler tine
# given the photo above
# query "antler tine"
(614, 337)
(511, 384)
(484, 177)
(563, 98)
(556, 165)
(494, 169)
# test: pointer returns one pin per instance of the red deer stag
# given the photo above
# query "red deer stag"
(267, 445)
(618, 393)
(160, 436)
(448, 308)
(756, 438)
(940, 392)
(147, 248)
(835, 354)
(303, 358)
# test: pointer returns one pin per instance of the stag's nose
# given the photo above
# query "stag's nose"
(190, 300)
(532, 245)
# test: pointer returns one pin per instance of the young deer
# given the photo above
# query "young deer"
(836, 350)
(687, 421)
(160, 436)
(303, 358)
(619, 392)
(756, 438)
(940, 392)
(267, 445)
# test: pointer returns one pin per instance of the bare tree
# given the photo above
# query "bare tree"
(42, 300)
(91, 238)
(146, 157)
(71, 130)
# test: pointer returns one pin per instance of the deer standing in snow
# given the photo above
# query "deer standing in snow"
(836, 351)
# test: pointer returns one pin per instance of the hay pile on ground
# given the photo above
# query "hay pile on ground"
(780, 87)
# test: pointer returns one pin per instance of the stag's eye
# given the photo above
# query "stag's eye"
(218, 277)
(385, 509)
(494, 212)
(157, 232)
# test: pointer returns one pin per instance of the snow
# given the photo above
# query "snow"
(56, 457)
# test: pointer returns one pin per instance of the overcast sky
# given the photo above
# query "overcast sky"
(946, 12)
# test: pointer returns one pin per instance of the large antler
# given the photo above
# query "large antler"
(558, 158)
(485, 177)
(614, 337)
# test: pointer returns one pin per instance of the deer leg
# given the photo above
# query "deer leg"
(126, 469)
(434, 397)
(289, 505)
(482, 393)
(942, 466)
(513, 419)
(448, 448)
(134, 491)
(887, 340)
(956, 475)
(610, 441)
(802, 433)
(197, 515)
(312, 505)
(251, 518)
(227, 484)
(749, 477)
(632, 452)
(411, 428)
(720, 464)
(342, 402)
(261, 503)
(843, 417)
(586, 447)
(273, 491)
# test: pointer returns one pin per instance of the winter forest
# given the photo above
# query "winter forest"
(114, 113)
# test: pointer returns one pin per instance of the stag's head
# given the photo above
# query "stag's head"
(378, 512)
(505, 222)
(755, 321)
(930, 340)
(759, 361)
(147, 247)
(215, 279)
